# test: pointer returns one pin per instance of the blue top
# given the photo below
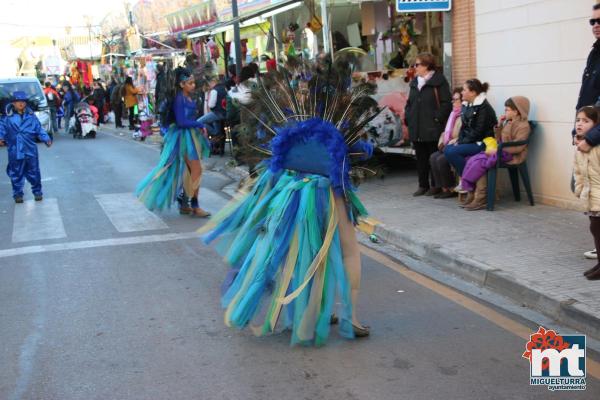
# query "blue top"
(19, 131)
(71, 97)
(318, 147)
(185, 112)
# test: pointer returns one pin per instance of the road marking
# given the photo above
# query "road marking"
(522, 331)
(30, 347)
(128, 214)
(34, 220)
(88, 244)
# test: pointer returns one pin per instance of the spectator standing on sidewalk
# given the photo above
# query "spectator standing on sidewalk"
(587, 177)
(70, 99)
(589, 93)
(160, 90)
(99, 96)
(427, 109)
(53, 100)
(130, 93)
(478, 121)
(443, 177)
(116, 104)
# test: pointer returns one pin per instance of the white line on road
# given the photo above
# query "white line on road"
(128, 214)
(37, 220)
(88, 244)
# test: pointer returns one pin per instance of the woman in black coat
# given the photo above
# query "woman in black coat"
(478, 121)
(427, 109)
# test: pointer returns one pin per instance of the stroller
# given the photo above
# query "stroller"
(83, 123)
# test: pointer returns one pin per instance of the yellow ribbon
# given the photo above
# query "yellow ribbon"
(320, 259)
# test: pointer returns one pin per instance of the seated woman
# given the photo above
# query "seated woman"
(513, 126)
(478, 121)
(443, 177)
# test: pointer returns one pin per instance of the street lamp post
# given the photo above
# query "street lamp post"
(236, 38)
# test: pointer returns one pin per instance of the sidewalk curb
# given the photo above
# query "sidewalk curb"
(570, 313)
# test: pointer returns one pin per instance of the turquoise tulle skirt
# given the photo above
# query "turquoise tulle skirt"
(282, 243)
(159, 189)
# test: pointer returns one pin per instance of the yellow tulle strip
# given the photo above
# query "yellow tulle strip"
(321, 257)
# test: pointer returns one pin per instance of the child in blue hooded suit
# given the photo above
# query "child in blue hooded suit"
(18, 130)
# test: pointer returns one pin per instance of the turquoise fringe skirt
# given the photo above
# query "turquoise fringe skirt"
(159, 189)
(282, 243)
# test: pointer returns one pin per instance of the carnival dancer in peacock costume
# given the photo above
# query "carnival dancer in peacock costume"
(290, 240)
(179, 171)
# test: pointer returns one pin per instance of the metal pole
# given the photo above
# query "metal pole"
(275, 31)
(447, 59)
(236, 39)
(325, 21)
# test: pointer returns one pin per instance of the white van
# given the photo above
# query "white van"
(34, 90)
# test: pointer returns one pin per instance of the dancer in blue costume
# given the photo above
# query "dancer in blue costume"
(290, 240)
(179, 168)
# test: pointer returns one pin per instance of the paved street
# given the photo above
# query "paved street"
(100, 299)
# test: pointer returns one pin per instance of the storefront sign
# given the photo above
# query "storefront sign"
(192, 17)
(423, 5)
(244, 7)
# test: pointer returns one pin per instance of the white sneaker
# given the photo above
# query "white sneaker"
(459, 189)
(592, 255)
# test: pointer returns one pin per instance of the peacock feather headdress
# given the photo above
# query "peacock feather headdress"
(298, 102)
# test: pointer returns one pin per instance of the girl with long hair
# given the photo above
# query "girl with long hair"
(179, 167)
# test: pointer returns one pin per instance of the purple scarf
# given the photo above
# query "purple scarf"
(450, 125)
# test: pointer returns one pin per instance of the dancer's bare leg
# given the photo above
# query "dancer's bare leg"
(195, 171)
(351, 255)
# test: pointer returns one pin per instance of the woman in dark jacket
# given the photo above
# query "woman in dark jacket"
(478, 121)
(427, 109)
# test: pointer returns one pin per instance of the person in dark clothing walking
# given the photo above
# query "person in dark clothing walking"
(99, 97)
(116, 104)
(161, 86)
(54, 101)
(427, 110)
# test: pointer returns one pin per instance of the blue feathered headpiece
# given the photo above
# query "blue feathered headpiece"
(312, 146)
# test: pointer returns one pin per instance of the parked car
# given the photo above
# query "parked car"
(33, 88)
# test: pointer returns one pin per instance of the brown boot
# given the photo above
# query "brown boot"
(594, 276)
(467, 200)
(480, 198)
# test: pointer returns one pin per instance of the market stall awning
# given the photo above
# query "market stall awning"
(156, 52)
(248, 19)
